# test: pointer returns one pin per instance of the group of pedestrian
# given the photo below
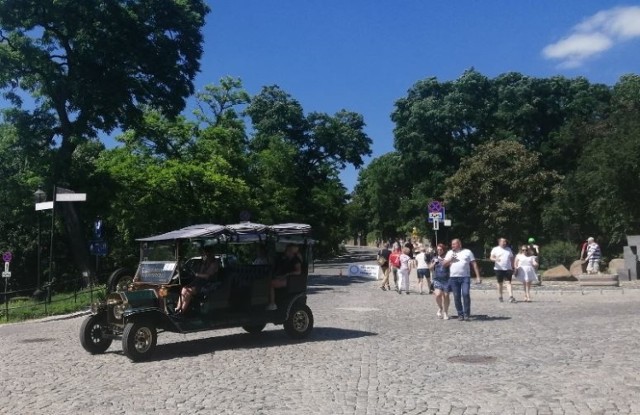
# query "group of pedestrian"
(400, 261)
(446, 272)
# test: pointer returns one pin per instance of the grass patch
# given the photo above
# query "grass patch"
(26, 308)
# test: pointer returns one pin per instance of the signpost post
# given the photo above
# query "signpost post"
(436, 215)
(57, 197)
(6, 257)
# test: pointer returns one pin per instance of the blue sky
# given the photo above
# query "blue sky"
(363, 55)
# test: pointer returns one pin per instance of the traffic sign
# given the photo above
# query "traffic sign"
(6, 274)
(98, 248)
(7, 256)
(436, 211)
(436, 225)
(435, 206)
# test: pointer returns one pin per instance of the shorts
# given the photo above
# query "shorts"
(423, 273)
(503, 275)
(442, 286)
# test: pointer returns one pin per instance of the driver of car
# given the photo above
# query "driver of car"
(207, 269)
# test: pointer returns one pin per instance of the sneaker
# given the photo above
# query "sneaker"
(399, 291)
(512, 300)
(272, 307)
(467, 318)
(500, 299)
(383, 289)
(439, 313)
(445, 316)
(407, 292)
(460, 318)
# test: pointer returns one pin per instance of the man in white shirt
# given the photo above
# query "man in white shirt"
(459, 262)
(502, 258)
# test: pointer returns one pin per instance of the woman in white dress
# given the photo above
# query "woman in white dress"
(525, 266)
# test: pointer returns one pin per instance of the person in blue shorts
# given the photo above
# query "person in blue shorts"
(440, 279)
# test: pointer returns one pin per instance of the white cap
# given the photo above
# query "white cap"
(590, 239)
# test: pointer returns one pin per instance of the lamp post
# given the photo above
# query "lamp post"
(39, 196)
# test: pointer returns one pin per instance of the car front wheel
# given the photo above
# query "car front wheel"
(300, 322)
(139, 340)
(92, 336)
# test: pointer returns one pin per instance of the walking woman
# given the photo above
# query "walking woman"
(525, 266)
(440, 278)
(405, 269)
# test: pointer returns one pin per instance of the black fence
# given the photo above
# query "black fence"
(50, 299)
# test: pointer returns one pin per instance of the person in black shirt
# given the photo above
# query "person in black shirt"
(383, 261)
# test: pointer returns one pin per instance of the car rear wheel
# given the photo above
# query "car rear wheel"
(92, 336)
(119, 280)
(139, 340)
(300, 322)
(254, 328)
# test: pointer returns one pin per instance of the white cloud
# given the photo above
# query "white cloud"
(595, 35)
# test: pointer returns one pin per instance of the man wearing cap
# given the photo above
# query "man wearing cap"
(534, 248)
(593, 256)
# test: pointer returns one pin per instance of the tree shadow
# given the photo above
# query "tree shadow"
(270, 338)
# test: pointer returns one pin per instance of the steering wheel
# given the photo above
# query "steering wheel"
(187, 269)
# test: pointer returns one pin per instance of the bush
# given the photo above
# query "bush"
(558, 253)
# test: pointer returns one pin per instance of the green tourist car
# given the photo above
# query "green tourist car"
(141, 304)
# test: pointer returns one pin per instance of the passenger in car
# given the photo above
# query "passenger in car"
(289, 264)
(208, 268)
(261, 256)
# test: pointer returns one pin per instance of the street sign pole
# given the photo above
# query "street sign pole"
(6, 275)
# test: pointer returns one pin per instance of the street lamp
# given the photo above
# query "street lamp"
(39, 196)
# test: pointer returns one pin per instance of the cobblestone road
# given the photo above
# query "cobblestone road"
(570, 351)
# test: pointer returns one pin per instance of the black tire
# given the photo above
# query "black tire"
(139, 340)
(254, 328)
(119, 280)
(92, 336)
(300, 322)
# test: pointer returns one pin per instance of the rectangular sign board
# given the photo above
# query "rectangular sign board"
(71, 197)
(364, 271)
(6, 274)
(44, 205)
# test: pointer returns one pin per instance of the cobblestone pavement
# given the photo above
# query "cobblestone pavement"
(570, 351)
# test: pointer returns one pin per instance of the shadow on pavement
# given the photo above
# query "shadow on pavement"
(270, 338)
(485, 317)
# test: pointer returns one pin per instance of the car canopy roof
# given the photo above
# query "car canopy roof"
(190, 232)
(239, 232)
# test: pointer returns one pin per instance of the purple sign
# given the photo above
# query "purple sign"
(6, 257)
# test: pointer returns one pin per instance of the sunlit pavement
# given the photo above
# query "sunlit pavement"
(572, 350)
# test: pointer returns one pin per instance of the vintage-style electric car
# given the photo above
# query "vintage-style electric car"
(141, 304)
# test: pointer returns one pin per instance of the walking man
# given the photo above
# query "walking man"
(593, 256)
(502, 258)
(459, 262)
(383, 260)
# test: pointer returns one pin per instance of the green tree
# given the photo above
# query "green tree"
(296, 158)
(90, 65)
(499, 191)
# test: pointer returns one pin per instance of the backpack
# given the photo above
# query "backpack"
(394, 259)
(382, 261)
